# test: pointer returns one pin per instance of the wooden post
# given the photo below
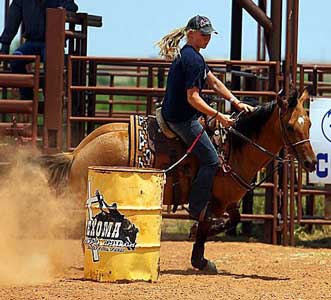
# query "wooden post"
(236, 40)
(274, 42)
(54, 92)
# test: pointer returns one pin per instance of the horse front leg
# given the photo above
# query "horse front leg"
(198, 260)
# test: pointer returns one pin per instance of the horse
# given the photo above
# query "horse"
(271, 126)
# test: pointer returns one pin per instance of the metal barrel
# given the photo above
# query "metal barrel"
(123, 224)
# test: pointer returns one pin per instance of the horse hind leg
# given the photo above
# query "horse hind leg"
(227, 223)
(234, 218)
(198, 260)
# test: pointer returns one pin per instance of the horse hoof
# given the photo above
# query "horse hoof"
(210, 268)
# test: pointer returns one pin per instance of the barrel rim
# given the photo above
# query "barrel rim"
(125, 169)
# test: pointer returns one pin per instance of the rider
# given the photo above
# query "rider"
(183, 103)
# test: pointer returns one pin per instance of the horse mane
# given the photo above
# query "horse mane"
(250, 125)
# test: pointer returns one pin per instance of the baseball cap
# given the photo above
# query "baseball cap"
(202, 24)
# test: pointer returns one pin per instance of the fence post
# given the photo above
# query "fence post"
(54, 92)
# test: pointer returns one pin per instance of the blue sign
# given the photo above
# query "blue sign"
(320, 137)
(322, 171)
(326, 125)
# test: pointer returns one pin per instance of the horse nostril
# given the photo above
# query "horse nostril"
(310, 164)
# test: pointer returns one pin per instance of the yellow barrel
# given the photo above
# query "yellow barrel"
(123, 224)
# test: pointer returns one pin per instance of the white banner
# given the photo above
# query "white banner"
(320, 136)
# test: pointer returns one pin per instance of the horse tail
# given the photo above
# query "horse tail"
(58, 167)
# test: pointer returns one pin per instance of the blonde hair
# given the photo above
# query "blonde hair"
(169, 44)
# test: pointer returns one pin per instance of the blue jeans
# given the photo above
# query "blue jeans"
(206, 153)
(28, 48)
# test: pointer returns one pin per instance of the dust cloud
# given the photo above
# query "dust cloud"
(34, 224)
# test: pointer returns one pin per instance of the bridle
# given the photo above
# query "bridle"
(227, 169)
(287, 143)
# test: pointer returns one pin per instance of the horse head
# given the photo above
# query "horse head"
(295, 125)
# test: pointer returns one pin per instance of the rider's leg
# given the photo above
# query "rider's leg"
(19, 66)
(205, 151)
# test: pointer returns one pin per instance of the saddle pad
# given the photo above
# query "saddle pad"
(141, 155)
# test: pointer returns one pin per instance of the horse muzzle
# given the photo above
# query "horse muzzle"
(309, 164)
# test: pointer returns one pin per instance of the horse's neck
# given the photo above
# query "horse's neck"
(249, 160)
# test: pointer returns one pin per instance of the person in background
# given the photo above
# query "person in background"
(32, 15)
(183, 104)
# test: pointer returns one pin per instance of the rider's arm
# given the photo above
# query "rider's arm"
(199, 104)
(218, 86)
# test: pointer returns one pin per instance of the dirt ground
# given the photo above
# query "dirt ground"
(246, 271)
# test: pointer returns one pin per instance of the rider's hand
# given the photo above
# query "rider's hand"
(240, 105)
(224, 119)
(243, 106)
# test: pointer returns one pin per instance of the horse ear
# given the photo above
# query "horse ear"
(293, 93)
(293, 97)
(283, 104)
(306, 94)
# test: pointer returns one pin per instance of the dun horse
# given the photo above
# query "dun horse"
(272, 126)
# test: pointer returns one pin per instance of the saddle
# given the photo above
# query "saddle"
(150, 148)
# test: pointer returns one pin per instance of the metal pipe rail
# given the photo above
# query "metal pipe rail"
(9, 57)
(315, 222)
(155, 62)
(315, 73)
(322, 67)
(143, 71)
(16, 80)
(79, 18)
(23, 129)
(29, 107)
(75, 34)
(98, 119)
(258, 14)
(133, 91)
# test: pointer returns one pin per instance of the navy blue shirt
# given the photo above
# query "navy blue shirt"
(33, 15)
(188, 70)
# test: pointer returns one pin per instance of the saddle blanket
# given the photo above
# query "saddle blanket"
(141, 154)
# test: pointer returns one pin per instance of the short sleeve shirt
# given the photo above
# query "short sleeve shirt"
(188, 70)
